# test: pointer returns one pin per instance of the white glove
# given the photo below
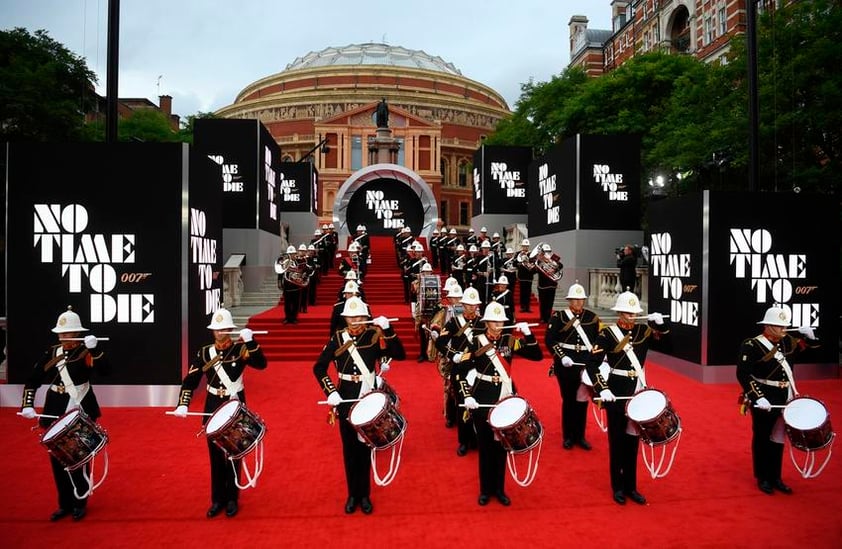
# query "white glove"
(180, 411)
(471, 403)
(246, 335)
(384, 367)
(378, 382)
(334, 398)
(807, 332)
(28, 413)
(657, 318)
(607, 396)
(381, 321)
(434, 335)
(90, 341)
(457, 358)
(566, 361)
(763, 404)
(524, 328)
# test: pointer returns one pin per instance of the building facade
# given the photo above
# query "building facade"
(322, 107)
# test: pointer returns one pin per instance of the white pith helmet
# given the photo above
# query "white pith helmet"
(502, 280)
(352, 247)
(426, 268)
(317, 232)
(485, 244)
(67, 322)
(452, 231)
(473, 248)
(460, 248)
(355, 306)
(360, 228)
(524, 242)
(311, 247)
(546, 248)
(471, 297)
(417, 247)
(351, 275)
(450, 281)
(435, 231)
(510, 251)
(775, 316)
(495, 235)
(576, 291)
(455, 290)
(483, 230)
(350, 287)
(324, 226)
(627, 302)
(221, 320)
(290, 249)
(494, 312)
(330, 226)
(302, 247)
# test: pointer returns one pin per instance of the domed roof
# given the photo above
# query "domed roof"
(373, 54)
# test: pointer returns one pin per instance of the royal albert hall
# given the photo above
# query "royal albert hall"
(322, 109)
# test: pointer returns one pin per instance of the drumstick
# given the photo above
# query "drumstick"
(613, 317)
(341, 401)
(83, 339)
(372, 321)
(238, 332)
(617, 398)
(172, 413)
(40, 415)
(515, 325)
(480, 405)
(773, 406)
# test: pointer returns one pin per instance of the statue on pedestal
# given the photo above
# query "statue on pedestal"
(382, 114)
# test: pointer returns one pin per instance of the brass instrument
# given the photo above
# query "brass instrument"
(551, 267)
(296, 273)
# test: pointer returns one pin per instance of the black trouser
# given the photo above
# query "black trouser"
(766, 456)
(622, 448)
(223, 479)
(492, 456)
(465, 432)
(357, 458)
(573, 412)
(67, 499)
(525, 294)
(546, 297)
(292, 300)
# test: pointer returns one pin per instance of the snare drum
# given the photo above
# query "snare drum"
(235, 429)
(515, 424)
(377, 420)
(807, 423)
(74, 439)
(653, 413)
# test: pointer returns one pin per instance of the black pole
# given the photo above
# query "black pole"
(111, 71)
(753, 102)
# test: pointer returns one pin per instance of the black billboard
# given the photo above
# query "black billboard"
(551, 191)
(247, 160)
(297, 184)
(384, 205)
(609, 182)
(500, 179)
(102, 228)
(746, 252)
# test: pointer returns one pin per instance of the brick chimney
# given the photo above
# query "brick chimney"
(165, 104)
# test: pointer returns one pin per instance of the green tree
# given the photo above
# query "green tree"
(45, 90)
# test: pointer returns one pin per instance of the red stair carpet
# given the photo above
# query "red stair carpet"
(157, 489)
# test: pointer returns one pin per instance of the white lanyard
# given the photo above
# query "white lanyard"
(779, 356)
(578, 326)
(629, 350)
(366, 375)
(498, 366)
(230, 387)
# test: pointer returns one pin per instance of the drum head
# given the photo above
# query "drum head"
(805, 413)
(221, 416)
(60, 424)
(367, 408)
(507, 412)
(646, 405)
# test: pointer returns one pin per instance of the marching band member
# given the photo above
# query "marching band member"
(67, 367)
(356, 352)
(422, 318)
(525, 275)
(337, 321)
(547, 285)
(455, 338)
(491, 354)
(351, 275)
(303, 267)
(569, 339)
(363, 242)
(223, 363)
(484, 271)
(764, 371)
(624, 347)
(457, 266)
(508, 267)
(435, 242)
(503, 296)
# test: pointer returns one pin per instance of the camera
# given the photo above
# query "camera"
(639, 252)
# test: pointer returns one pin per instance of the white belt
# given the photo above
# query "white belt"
(356, 378)
(578, 347)
(61, 389)
(490, 379)
(222, 391)
(771, 383)
(623, 373)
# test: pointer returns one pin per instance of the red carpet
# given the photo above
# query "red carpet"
(157, 488)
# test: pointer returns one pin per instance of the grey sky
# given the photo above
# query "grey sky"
(207, 51)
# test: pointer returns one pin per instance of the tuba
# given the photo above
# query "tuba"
(296, 273)
(551, 267)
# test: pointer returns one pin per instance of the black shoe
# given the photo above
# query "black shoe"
(636, 497)
(79, 513)
(483, 499)
(448, 423)
(567, 444)
(59, 514)
(422, 359)
(214, 510)
(231, 509)
(350, 505)
(503, 498)
(781, 487)
(366, 506)
(462, 450)
(584, 444)
(765, 487)
(619, 497)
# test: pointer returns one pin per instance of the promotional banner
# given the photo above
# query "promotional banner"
(500, 179)
(609, 182)
(107, 230)
(551, 192)
(297, 183)
(247, 160)
(383, 206)
(753, 251)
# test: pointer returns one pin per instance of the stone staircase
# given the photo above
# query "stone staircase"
(257, 301)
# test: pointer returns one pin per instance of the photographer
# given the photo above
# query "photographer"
(627, 262)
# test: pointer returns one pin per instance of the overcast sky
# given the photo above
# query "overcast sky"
(207, 51)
